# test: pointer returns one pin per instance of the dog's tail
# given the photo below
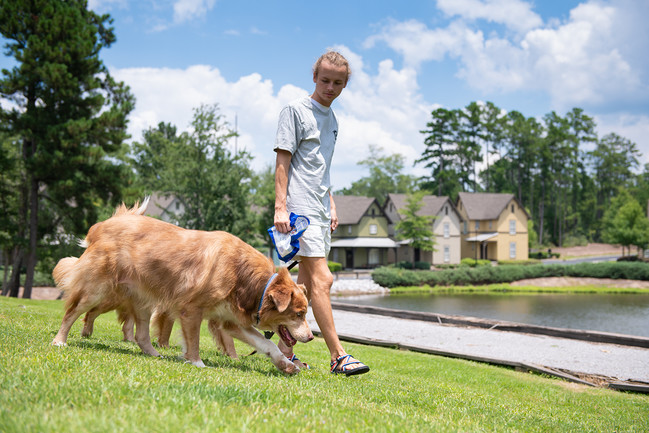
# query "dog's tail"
(137, 209)
(62, 270)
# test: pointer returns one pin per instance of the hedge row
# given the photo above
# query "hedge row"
(393, 277)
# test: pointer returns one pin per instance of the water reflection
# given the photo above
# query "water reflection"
(619, 313)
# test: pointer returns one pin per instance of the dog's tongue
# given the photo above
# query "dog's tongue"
(286, 336)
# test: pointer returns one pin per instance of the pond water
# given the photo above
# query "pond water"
(619, 313)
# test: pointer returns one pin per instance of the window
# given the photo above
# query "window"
(477, 226)
(349, 229)
(447, 254)
(512, 250)
(373, 229)
(445, 210)
(512, 227)
(512, 208)
(447, 230)
(373, 256)
(466, 227)
(490, 224)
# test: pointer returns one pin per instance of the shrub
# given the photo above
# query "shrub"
(473, 262)
(465, 275)
(393, 277)
(335, 266)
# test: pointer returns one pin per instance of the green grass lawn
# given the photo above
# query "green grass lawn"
(104, 384)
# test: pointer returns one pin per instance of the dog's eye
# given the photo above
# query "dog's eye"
(300, 315)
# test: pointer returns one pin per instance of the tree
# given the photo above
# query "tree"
(10, 173)
(612, 162)
(386, 176)
(68, 113)
(263, 197)
(418, 229)
(212, 183)
(440, 154)
(626, 223)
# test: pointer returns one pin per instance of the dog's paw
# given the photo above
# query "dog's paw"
(198, 363)
(288, 367)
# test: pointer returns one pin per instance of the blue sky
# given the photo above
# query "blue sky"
(408, 58)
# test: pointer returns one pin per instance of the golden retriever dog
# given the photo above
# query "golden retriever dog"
(192, 275)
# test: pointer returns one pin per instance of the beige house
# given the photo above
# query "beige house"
(361, 239)
(446, 226)
(494, 226)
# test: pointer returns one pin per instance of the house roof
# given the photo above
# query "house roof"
(485, 205)
(432, 204)
(351, 208)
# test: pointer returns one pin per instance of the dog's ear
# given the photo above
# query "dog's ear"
(281, 299)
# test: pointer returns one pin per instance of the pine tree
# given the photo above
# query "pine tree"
(68, 113)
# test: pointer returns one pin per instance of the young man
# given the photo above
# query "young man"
(306, 137)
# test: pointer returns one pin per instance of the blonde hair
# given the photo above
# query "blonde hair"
(336, 59)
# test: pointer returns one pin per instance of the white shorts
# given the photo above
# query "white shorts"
(315, 242)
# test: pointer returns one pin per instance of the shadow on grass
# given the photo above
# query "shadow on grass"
(245, 363)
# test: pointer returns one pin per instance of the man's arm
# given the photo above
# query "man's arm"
(334, 214)
(282, 164)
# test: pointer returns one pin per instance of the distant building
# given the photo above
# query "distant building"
(446, 226)
(494, 226)
(361, 239)
(165, 207)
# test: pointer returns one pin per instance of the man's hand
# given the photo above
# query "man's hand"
(282, 221)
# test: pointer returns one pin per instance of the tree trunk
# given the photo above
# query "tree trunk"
(5, 273)
(33, 239)
(14, 282)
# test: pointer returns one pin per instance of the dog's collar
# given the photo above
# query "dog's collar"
(270, 280)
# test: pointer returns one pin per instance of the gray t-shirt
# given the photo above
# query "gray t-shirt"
(308, 130)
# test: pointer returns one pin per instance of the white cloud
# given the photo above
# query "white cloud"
(385, 109)
(170, 95)
(581, 62)
(515, 14)
(104, 5)
(185, 10)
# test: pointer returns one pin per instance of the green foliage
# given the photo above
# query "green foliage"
(197, 167)
(334, 266)
(474, 263)
(263, 205)
(539, 255)
(69, 116)
(626, 223)
(410, 265)
(391, 277)
(418, 229)
(440, 154)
